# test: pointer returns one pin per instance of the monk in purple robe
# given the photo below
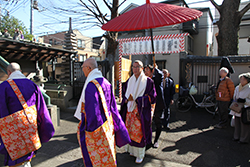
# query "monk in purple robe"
(9, 104)
(138, 103)
(90, 111)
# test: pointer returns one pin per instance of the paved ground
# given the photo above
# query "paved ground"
(192, 141)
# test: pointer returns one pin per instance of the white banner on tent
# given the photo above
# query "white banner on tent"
(172, 43)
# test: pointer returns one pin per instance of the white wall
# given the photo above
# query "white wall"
(205, 35)
(244, 46)
(239, 69)
(172, 64)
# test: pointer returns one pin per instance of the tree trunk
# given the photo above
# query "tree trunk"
(228, 25)
(112, 44)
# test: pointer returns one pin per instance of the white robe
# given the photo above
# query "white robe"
(92, 75)
(136, 87)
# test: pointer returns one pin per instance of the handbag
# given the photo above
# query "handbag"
(101, 142)
(19, 130)
(236, 106)
(245, 115)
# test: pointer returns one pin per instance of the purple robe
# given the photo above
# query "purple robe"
(96, 116)
(145, 112)
(9, 104)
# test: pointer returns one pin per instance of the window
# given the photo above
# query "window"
(161, 64)
(54, 42)
(50, 41)
(83, 44)
(190, 44)
(80, 43)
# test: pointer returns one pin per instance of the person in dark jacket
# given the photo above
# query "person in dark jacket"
(169, 91)
(156, 75)
(224, 95)
(17, 35)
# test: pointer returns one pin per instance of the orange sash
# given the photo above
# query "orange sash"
(19, 130)
(101, 142)
(133, 125)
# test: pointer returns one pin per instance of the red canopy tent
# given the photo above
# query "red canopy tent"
(151, 15)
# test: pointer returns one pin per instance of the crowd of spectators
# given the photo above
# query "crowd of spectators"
(17, 35)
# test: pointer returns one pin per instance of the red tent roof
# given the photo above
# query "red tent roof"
(151, 15)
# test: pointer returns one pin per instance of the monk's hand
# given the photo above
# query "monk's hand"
(130, 98)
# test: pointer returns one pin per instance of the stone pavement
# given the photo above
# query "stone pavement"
(192, 141)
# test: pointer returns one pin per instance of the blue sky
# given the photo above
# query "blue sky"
(49, 20)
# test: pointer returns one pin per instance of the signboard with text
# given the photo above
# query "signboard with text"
(172, 43)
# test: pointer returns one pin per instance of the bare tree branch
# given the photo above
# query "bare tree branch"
(106, 3)
(121, 3)
(93, 12)
(244, 10)
(100, 13)
(215, 5)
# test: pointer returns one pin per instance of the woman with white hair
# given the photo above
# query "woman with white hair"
(242, 95)
(224, 95)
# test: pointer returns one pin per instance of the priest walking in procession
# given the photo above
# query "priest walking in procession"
(156, 75)
(25, 122)
(101, 126)
(137, 109)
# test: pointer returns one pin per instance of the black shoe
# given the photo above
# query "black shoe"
(166, 128)
(235, 139)
(148, 146)
(220, 127)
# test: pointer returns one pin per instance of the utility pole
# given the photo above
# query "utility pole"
(31, 16)
(33, 5)
(0, 14)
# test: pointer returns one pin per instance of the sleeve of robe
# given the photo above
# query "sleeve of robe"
(121, 134)
(45, 126)
(148, 99)
(123, 104)
(145, 113)
(4, 107)
(158, 77)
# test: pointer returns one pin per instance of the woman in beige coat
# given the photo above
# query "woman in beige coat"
(242, 95)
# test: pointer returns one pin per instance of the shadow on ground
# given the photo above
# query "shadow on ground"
(215, 147)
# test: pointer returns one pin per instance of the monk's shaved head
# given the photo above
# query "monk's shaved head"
(89, 65)
(13, 67)
(91, 62)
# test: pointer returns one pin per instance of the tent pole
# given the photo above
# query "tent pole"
(152, 43)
